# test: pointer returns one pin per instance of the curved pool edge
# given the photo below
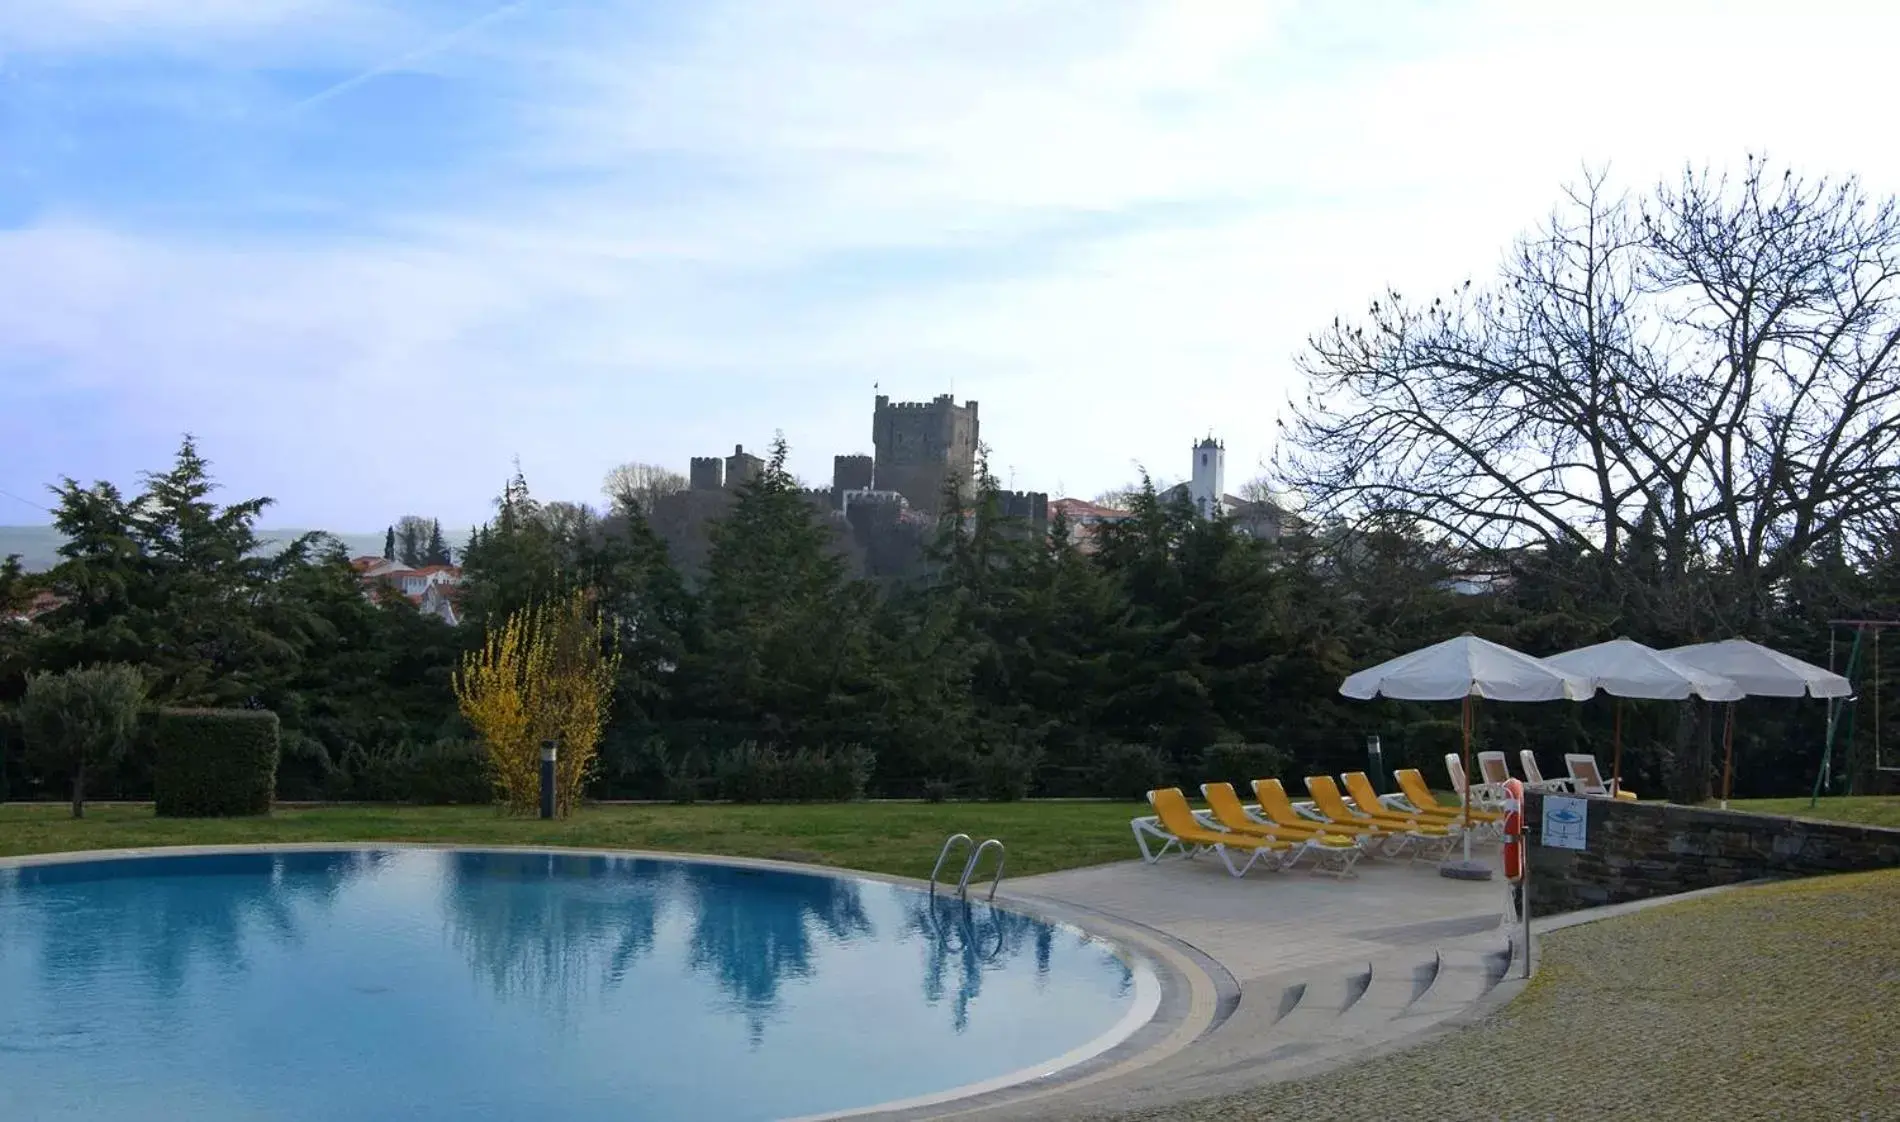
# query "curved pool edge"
(1180, 1001)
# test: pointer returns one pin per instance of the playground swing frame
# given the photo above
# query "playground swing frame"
(1861, 628)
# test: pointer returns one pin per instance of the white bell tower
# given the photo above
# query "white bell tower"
(1208, 483)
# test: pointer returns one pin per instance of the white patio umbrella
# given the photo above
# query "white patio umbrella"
(1467, 667)
(1459, 670)
(1625, 668)
(1760, 672)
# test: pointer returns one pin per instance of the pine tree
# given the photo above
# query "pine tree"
(437, 551)
(514, 561)
(784, 635)
(171, 582)
(389, 544)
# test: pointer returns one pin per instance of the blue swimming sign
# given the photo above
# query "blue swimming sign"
(1566, 822)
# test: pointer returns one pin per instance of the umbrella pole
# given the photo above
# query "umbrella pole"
(1728, 754)
(1466, 722)
(1616, 748)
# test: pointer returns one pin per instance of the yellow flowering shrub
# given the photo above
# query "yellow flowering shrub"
(545, 674)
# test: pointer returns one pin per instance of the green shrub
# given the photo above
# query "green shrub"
(215, 762)
(1129, 771)
(8, 736)
(749, 772)
(1005, 772)
(687, 781)
(1241, 764)
(937, 790)
(451, 772)
(834, 774)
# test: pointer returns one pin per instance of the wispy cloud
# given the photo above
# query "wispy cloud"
(415, 57)
(584, 233)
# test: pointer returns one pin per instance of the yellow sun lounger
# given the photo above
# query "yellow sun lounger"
(1416, 796)
(1277, 808)
(1422, 838)
(1359, 790)
(1332, 853)
(1419, 795)
(1175, 825)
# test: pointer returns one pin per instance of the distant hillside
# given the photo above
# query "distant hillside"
(38, 546)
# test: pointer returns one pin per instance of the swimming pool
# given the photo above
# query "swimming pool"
(416, 983)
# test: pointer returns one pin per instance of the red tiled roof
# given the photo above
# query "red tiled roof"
(43, 601)
(1081, 508)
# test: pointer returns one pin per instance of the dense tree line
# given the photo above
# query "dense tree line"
(1670, 419)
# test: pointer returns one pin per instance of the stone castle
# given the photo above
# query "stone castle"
(883, 506)
(920, 450)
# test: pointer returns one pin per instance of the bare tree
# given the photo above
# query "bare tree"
(636, 484)
(1710, 371)
(568, 521)
(1121, 497)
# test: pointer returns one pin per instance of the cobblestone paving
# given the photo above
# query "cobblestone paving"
(1776, 1002)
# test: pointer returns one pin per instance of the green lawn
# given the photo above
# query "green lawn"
(1868, 810)
(900, 838)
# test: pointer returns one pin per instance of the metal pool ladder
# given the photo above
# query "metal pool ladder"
(969, 866)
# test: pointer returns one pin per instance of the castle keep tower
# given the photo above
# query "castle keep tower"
(708, 473)
(922, 446)
(742, 467)
(852, 473)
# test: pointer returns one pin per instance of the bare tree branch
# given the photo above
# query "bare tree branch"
(1714, 368)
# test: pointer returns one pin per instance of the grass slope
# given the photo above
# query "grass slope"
(899, 838)
(1781, 1001)
(1867, 810)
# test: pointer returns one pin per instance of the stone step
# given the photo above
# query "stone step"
(1392, 988)
(1309, 1022)
(1324, 999)
(1462, 976)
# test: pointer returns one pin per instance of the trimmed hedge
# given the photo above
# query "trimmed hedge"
(215, 763)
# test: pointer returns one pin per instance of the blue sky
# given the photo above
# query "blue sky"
(370, 251)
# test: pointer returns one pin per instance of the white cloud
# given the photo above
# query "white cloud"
(1148, 206)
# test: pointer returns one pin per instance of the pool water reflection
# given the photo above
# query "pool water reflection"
(414, 983)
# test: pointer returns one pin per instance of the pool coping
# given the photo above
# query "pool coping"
(1194, 992)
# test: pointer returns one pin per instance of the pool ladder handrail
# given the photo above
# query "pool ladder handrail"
(969, 935)
(969, 866)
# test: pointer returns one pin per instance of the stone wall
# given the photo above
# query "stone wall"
(1638, 850)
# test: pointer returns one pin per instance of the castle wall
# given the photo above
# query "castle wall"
(1030, 506)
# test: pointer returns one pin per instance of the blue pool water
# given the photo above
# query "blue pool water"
(422, 984)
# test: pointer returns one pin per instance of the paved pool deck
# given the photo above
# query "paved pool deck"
(1272, 975)
(1267, 924)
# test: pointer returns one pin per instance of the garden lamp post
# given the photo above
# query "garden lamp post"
(548, 753)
